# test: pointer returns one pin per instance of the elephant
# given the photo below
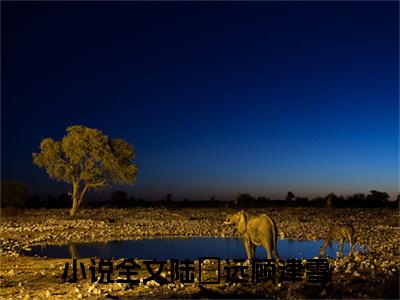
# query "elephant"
(255, 231)
(338, 233)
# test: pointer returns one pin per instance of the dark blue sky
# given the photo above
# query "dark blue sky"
(217, 98)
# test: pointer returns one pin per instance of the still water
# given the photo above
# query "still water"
(186, 248)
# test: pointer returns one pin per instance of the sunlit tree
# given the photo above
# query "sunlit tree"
(87, 159)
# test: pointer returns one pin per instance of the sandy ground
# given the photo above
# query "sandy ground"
(373, 274)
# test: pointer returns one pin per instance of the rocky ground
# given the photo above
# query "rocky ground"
(373, 274)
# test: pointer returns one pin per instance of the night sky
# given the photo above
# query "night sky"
(217, 98)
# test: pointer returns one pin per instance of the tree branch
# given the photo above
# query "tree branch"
(96, 185)
(82, 194)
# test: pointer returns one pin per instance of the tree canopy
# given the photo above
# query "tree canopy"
(87, 159)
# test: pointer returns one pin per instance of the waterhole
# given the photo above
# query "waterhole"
(183, 248)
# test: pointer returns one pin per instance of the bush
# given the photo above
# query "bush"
(13, 195)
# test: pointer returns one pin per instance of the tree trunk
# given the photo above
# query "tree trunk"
(74, 208)
(75, 198)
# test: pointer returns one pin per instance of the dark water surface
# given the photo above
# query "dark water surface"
(183, 248)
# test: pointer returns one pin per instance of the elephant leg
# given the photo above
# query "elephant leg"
(351, 248)
(253, 251)
(268, 248)
(247, 244)
(341, 248)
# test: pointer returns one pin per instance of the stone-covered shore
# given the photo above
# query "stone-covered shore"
(373, 274)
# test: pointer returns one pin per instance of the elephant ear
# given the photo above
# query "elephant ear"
(242, 224)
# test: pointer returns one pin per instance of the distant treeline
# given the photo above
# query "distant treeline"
(16, 195)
